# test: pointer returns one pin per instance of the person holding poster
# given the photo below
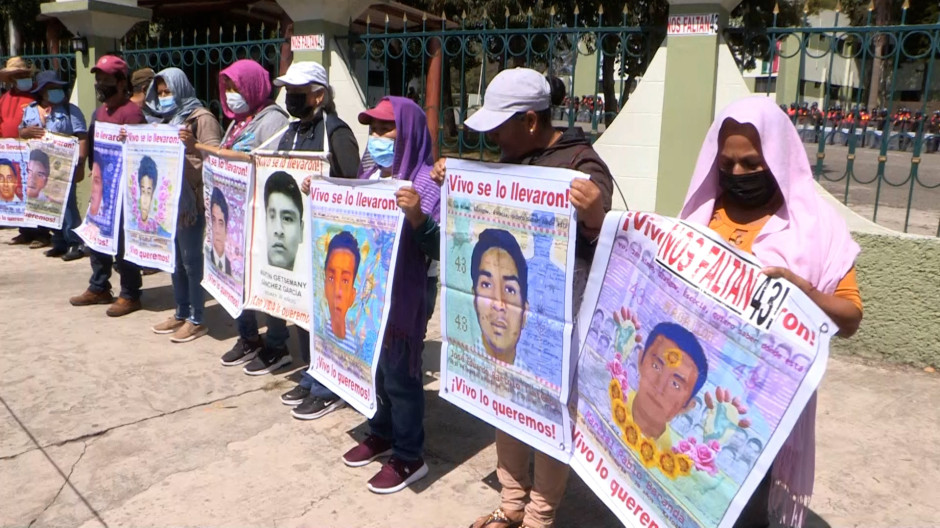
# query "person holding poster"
(19, 73)
(172, 97)
(14, 158)
(53, 113)
(317, 129)
(400, 145)
(111, 87)
(516, 115)
(244, 90)
(754, 187)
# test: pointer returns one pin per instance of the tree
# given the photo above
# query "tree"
(19, 18)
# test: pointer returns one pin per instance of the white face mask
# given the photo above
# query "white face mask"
(236, 103)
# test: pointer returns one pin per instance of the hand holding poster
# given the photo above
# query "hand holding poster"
(507, 266)
(279, 267)
(691, 375)
(52, 161)
(100, 228)
(14, 156)
(355, 228)
(153, 173)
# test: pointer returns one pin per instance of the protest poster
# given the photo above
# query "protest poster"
(99, 230)
(14, 156)
(51, 167)
(355, 227)
(227, 198)
(507, 267)
(692, 372)
(279, 261)
(153, 175)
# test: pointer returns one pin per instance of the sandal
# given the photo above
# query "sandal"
(498, 516)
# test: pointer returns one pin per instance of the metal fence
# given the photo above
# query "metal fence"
(880, 159)
(397, 62)
(202, 55)
(44, 59)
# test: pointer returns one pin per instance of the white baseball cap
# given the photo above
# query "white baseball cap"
(511, 91)
(302, 74)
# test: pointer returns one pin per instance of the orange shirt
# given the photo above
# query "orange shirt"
(742, 237)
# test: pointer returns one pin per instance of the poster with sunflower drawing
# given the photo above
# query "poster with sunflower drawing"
(693, 371)
(356, 226)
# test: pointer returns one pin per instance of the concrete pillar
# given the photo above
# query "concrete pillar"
(689, 93)
(316, 23)
(103, 23)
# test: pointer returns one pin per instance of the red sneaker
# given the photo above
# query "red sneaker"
(397, 475)
(368, 450)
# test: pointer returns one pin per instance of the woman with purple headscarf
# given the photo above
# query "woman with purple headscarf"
(400, 147)
(753, 186)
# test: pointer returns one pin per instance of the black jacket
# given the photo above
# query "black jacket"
(344, 150)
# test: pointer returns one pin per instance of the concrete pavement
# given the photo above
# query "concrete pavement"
(103, 423)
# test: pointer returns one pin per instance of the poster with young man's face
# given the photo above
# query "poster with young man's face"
(226, 197)
(100, 227)
(279, 281)
(507, 273)
(51, 167)
(14, 159)
(683, 391)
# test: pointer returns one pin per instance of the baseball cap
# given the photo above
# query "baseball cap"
(111, 65)
(47, 77)
(511, 91)
(303, 73)
(384, 111)
(141, 76)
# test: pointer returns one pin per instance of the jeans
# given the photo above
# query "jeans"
(187, 279)
(101, 271)
(65, 237)
(306, 380)
(276, 336)
(400, 415)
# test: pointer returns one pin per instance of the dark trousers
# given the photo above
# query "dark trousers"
(306, 380)
(101, 271)
(276, 336)
(65, 237)
(400, 395)
(756, 513)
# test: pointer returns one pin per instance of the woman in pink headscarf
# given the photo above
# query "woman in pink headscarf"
(754, 187)
(244, 93)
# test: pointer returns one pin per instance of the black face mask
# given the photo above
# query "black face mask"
(297, 106)
(750, 190)
(105, 91)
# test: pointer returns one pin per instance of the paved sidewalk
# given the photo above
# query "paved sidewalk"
(104, 423)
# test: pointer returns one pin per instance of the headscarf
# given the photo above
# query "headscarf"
(251, 80)
(183, 91)
(413, 161)
(807, 236)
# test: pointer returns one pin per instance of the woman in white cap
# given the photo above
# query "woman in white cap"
(516, 116)
(317, 129)
(52, 111)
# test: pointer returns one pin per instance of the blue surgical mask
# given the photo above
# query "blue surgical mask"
(236, 103)
(56, 95)
(382, 151)
(168, 104)
(24, 85)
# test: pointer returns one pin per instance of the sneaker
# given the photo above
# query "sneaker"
(295, 396)
(148, 271)
(397, 475)
(55, 252)
(88, 297)
(243, 352)
(268, 361)
(368, 450)
(74, 253)
(122, 307)
(169, 326)
(314, 407)
(189, 332)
